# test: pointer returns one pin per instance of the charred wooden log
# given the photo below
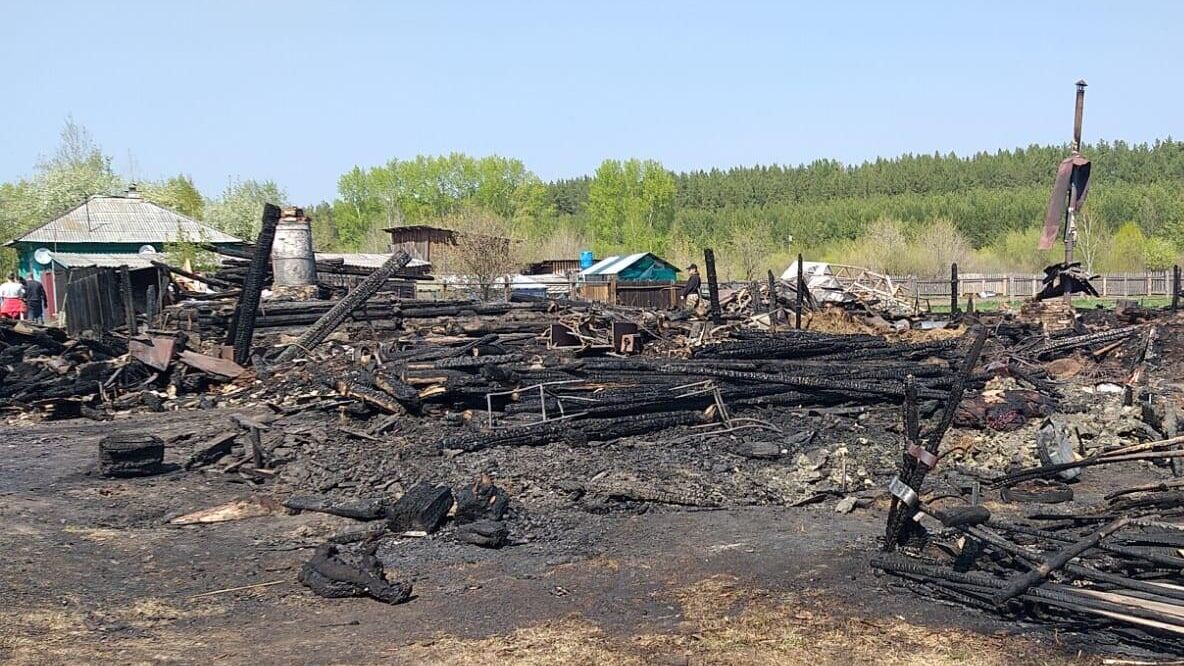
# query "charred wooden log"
(917, 462)
(328, 574)
(333, 318)
(484, 533)
(242, 329)
(371, 508)
(213, 450)
(370, 396)
(481, 500)
(403, 393)
(529, 435)
(1062, 345)
(423, 507)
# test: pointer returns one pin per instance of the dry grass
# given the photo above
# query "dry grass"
(69, 636)
(724, 623)
(727, 624)
(838, 320)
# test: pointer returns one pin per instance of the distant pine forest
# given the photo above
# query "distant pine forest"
(906, 215)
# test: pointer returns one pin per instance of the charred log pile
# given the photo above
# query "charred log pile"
(1108, 572)
(1112, 575)
(212, 318)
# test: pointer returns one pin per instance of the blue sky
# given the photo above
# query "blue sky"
(300, 91)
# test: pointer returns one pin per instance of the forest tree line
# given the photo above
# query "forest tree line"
(913, 214)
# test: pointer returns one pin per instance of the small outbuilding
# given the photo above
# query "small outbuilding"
(640, 267)
(642, 280)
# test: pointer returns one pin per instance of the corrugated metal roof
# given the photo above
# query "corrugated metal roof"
(364, 259)
(110, 219)
(82, 260)
(612, 265)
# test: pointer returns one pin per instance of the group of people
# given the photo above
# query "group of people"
(23, 298)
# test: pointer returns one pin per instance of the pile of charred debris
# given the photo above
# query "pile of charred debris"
(1066, 539)
(488, 424)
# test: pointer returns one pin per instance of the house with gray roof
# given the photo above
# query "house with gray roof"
(107, 231)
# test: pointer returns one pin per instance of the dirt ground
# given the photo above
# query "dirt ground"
(92, 573)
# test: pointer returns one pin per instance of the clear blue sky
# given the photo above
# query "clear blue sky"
(300, 91)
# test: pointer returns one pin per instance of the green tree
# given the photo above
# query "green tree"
(77, 170)
(177, 193)
(631, 205)
(430, 187)
(239, 210)
(324, 227)
(1159, 254)
(1127, 250)
(748, 249)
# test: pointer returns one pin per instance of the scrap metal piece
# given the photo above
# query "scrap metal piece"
(903, 492)
(156, 352)
(924, 457)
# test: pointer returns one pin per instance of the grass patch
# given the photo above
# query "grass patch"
(729, 624)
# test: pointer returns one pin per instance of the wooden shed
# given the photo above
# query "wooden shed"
(418, 240)
(640, 267)
(642, 280)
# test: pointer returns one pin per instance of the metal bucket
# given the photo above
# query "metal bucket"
(292, 258)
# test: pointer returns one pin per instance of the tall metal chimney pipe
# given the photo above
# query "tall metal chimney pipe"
(1078, 111)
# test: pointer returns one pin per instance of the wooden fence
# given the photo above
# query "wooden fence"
(1025, 285)
(649, 295)
(94, 297)
(93, 300)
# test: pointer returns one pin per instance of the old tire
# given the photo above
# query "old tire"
(130, 455)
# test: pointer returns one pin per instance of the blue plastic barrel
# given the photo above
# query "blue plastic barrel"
(586, 260)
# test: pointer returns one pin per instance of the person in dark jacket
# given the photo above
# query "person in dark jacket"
(690, 291)
(35, 300)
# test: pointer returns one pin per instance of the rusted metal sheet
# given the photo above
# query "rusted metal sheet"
(1073, 172)
(214, 366)
(154, 352)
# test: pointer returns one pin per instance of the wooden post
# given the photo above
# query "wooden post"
(153, 306)
(712, 286)
(1175, 287)
(772, 303)
(797, 315)
(242, 327)
(953, 289)
(129, 305)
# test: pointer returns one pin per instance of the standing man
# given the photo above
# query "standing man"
(690, 291)
(35, 299)
(11, 292)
